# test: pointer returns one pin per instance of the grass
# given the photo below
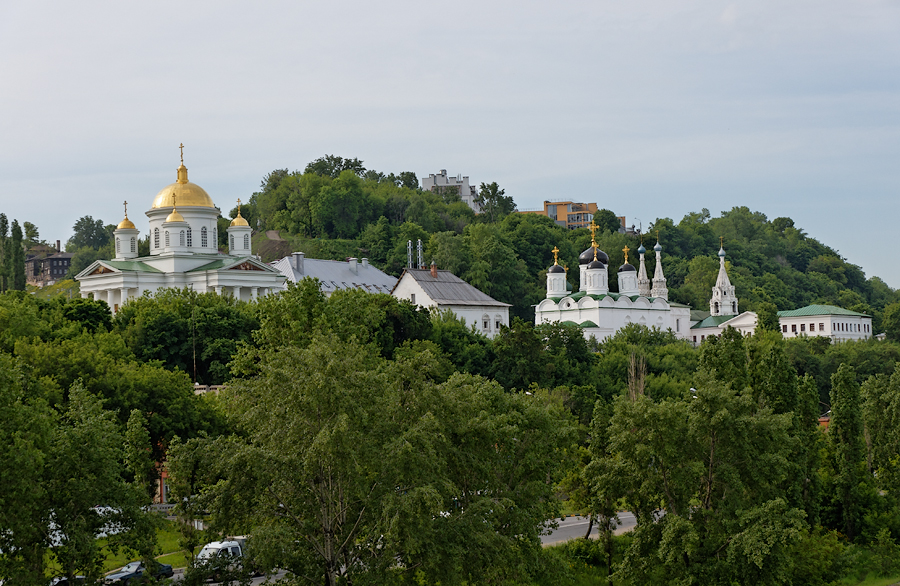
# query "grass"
(870, 581)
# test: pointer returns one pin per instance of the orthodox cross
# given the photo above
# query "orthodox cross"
(126, 209)
(721, 242)
(657, 236)
(625, 250)
(593, 228)
(555, 250)
(181, 146)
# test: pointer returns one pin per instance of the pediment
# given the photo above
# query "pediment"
(246, 266)
(101, 270)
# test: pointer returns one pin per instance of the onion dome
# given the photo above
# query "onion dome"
(125, 224)
(721, 252)
(174, 216)
(188, 194)
(596, 264)
(588, 255)
(553, 269)
(626, 267)
(239, 220)
(641, 249)
(658, 247)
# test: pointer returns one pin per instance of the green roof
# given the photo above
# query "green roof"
(588, 324)
(819, 310)
(713, 321)
(216, 264)
(130, 265)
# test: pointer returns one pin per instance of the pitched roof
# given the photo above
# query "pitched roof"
(448, 289)
(337, 274)
(713, 321)
(819, 310)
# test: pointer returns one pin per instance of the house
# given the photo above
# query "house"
(441, 290)
(48, 267)
(183, 252)
(334, 275)
(829, 321)
(441, 183)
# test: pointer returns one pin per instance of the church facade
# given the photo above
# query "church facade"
(183, 252)
(601, 313)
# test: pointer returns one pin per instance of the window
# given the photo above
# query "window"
(133, 244)
(784, 328)
(118, 248)
(246, 242)
(794, 328)
(486, 323)
(734, 306)
(167, 239)
(717, 308)
(498, 321)
(190, 241)
(156, 238)
(412, 298)
(695, 339)
(802, 327)
(812, 327)
(677, 325)
(821, 327)
(232, 242)
(203, 236)
(181, 238)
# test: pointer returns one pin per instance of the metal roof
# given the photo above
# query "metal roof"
(819, 310)
(448, 289)
(336, 274)
(713, 321)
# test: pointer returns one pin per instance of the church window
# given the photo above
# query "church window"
(412, 298)
(181, 238)
(190, 240)
(802, 327)
(784, 328)
(246, 242)
(717, 308)
(734, 306)
(232, 242)
(695, 339)
(498, 321)
(677, 325)
(117, 246)
(794, 328)
(133, 244)
(167, 239)
(486, 323)
(203, 242)
(821, 327)
(156, 238)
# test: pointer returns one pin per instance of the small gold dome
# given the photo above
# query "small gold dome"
(125, 224)
(174, 216)
(187, 193)
(239, 220)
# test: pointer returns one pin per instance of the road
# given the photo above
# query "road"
(179, 575)
(574, 527)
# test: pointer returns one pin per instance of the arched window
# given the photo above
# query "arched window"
(734, 306)
(133, 244)
(498, 321)
(117, 246)
(190, 242)
(156, 238)
(717, 307)
(232, 242)
(181, 238)
(246, 242)
(203, 241)
(486, 322)
(167, 239)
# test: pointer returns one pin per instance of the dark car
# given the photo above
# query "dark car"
(135, 572)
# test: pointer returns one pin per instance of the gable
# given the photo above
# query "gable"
(246, 266)
(101, 270)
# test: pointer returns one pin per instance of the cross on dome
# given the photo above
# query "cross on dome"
(555, 250)
(181, 146)
(625, 250)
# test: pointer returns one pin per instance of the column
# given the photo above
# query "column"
(254, 293)
(219, 290)
(124, 296)
(85, 294)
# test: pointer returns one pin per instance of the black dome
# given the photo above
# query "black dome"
(596, 264)
(625, 268)
(556, 269)
(588, 256)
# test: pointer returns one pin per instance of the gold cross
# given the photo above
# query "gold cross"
(625, 250)
(555, 252)
(126, 209)
(181, 146)
(657, 236)
(721, 244)
(239, 203)
(593, 228)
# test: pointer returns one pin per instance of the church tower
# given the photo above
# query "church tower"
(556, 278)
(593, 262)
(643, 281)
(239, 235)
(723, 301)
(659, 281)
(628, 284)
(126, 236)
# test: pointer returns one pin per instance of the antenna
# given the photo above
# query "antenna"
(409, 256)
(421, 254)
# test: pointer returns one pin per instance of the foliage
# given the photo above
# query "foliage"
(494, 204)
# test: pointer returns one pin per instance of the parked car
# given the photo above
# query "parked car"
(135, 572)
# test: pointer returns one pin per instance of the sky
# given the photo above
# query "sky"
(650, 108)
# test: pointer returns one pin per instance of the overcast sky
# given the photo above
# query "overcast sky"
(650, 108)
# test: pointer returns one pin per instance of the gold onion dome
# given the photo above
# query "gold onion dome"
(174, 216)
(188, 194)
(126, 224)
(239, 220)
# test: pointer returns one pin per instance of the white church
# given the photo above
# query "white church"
(601, 313)
(183, 252)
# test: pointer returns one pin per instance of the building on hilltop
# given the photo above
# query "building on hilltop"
(441, 184)
(334, 275)
(48, 266)
(601, 313)
(183, 252)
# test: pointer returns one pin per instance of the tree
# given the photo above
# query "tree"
(767, 317)
(17, 251)
(333, 166)
(846, 434)
(607, 221)
(494, 204)
(890, 322)
(6, 259)
(31, 233)
(89, 233)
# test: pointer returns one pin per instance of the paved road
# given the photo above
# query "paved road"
(574, 527)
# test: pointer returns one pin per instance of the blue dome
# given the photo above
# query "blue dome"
(658, 247)
(721, 252)
(641, 249)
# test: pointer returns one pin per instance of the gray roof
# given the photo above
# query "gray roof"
(336, 274)
(448, 289)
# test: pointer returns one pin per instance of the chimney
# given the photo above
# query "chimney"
(353, 264)
(365, 263)
(58, 249)
(433, 269)
(297, 262)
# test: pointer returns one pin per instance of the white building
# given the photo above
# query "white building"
(334, 274)
(460, 183)
(183, 252)
(442, 290)
(601, 313)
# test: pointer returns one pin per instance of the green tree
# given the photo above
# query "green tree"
(890, 321)
(607, 221)
(6, 257)
(32, 236)
(767, 317)
(494, 204)
(89, 233)
(846, 434)
(333, 166)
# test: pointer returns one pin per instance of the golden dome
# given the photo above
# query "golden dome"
(125, 224)
(188, 194)
(174, 216)
(239, 221)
